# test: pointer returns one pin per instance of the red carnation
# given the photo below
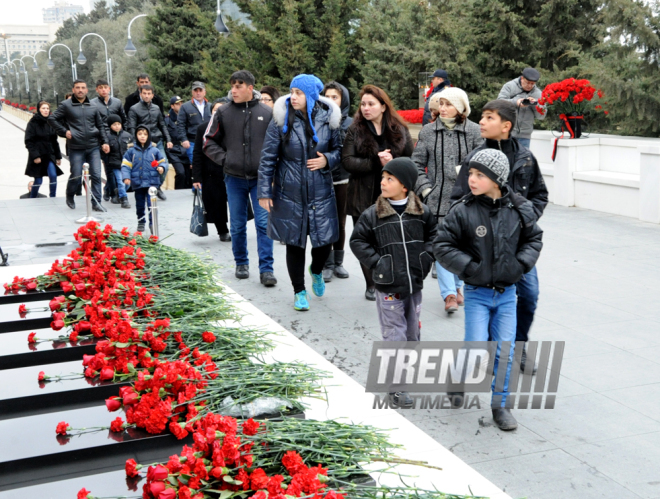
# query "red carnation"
(31, 286)
(154, 163)
(258, 479)
(208, 337)
(55, 305)
(107, 373)
(42, 376)
(62, 427)
(73, 336)
(156, 488)
(117, 425)
(57, 325)
(84, 494)
(159, 472)
(250, 427)
(113, 404)
(167, 494)
(130, 398)
(22, 309)
(32, 338)
(132, 468)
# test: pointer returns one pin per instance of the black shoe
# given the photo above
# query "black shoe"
(402, 399)
(370, 294)
(504, 419)
(106, 197)
(99, 207)
(115, 197)
(140, 227)
(70, 202)
(340, 271)
(268, 279)
(457, 399)
(225, 238)
(124, 202)
(329, 267)
(523, 361)
(160, 195)
(242, 272)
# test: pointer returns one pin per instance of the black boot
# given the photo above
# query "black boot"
(115, 197)
(70, 202)
(523, 361)
(124, 202)
(329, 267)
(340, 271)
(504, 419)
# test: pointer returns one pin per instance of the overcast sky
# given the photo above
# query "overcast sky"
(29, 11)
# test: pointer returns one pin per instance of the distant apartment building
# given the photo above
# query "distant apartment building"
(60, 12)
(108, 3)
(26, 39)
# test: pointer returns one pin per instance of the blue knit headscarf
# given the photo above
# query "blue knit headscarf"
(312, 87)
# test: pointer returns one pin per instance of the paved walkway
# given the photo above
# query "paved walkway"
(599, 279)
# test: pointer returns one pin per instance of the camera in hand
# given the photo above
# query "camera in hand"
(527, 102)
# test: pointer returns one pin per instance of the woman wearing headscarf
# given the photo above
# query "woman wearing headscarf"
(44, 151)
(301, 149)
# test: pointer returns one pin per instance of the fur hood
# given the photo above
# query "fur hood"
(279, 111)
(414, 207)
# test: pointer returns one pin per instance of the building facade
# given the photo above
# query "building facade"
(26, 39)
(60, 12)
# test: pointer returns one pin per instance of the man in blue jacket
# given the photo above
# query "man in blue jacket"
(439, 81)
(191, 115)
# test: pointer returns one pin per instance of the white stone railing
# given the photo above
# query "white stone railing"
(608, 173)
(19, 113)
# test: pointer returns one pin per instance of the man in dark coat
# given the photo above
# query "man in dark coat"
(177, 155)
(191, 114)
(81, 122)
(134, 98)
(439, 81)
(233, 140)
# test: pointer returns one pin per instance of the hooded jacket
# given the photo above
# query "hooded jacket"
(340, 174)
(512, 91)
(41, 142)
(235, 136)
(525, 176)
(83, 120)
(189, 119)
(140, 163)
(151, 116)
(437, 154)
(489, 242)
(397, 248)
(303, 200)
(119, 143)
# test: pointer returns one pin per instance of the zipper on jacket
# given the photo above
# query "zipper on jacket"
(405, 250)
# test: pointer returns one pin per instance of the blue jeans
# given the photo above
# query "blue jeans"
(52, 178)
(190, 150)
(239, 193)
(449, 283)
(76, 158)
(527, 289)
(141, 198)
(164, 164)
(491, 316)
(525, 142)
(121, 187)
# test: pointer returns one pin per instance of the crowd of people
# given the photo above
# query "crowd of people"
(462, 202)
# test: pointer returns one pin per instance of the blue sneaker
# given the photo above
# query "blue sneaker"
(301, 303)
(318, 283)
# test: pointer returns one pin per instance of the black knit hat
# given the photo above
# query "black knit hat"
(405, 171)
(113, 118)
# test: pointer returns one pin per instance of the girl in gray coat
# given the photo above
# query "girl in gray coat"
(441, 147)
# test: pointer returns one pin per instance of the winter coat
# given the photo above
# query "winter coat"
(119, 143)
(134, 98)
(189, 119)
(175, 154)
(437, 154)
(525, 176)
(113, 106)
(426, 117)
(303, 200)
(88, 130)
(210, 175)
(361, 161)
(41, 142)
(512, 91)
(489, 243)
(137, 165)
(340, 174)
(150, 116)
(235, 136)
(397, 248)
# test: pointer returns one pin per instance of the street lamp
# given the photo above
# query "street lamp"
(51, 64)
(220, 25)
(108, 62)
(27, 80)
(130, 49)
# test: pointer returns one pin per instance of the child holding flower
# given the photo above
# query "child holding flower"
(141, 168)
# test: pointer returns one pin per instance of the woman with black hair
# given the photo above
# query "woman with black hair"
(44, 151)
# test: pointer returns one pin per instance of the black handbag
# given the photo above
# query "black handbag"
(198, 219)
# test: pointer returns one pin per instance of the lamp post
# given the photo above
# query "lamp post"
(130, 49)
(108, 63)
(220, 25)
(34, 68)
(18, 70)
(51, 64)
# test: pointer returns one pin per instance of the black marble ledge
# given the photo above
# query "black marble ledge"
(29, 296)
(11, 320)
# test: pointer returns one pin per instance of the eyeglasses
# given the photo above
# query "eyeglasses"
(266, 99)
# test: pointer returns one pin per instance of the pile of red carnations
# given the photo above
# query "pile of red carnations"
(414, 116)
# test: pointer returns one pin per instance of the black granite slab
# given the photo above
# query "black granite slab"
(11, 320)
(28, 296)
(15, 351)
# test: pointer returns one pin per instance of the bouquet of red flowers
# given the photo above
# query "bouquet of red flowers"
(569, 96)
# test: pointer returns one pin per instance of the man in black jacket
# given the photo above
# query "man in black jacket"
(233, 140)
(191, 114)
(439, 81)
(497, 120)
(82, 124)
(177, 155)
(147, 114)
(134, 98)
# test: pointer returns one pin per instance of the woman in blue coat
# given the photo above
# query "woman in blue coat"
(301, 149)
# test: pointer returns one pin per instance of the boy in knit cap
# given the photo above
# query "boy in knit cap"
(394, 238)
(490, 239)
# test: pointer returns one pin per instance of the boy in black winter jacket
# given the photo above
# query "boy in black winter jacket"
(490, 239)
(119, 141)
(394, 238)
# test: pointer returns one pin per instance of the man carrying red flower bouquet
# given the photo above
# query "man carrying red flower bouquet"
(524, 93)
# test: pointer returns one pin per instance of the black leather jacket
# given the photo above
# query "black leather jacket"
(489, 243)
(150, 116)
(83, 120)
(119, 143)
(113, 106)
